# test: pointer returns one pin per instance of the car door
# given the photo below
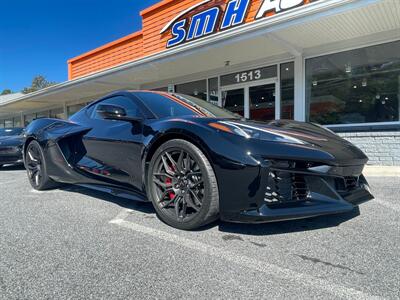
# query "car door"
(114, 146)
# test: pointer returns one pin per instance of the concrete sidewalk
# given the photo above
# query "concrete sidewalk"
(379, 171)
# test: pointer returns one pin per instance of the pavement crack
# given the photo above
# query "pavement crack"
(329, 264)
(232, 237)
(3, 285)
(259, 244)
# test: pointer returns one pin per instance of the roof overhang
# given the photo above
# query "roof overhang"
(309, 30)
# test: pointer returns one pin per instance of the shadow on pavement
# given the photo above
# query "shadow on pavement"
(289, 226)
(275, 228)
(145, 207)
(12, 168)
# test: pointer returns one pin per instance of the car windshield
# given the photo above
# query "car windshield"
(165, 105)
(208, 108)
(10, 131)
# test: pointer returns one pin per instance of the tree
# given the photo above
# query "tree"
(6, 92)
(38, 82)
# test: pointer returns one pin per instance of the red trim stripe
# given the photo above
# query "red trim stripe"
(177, 100)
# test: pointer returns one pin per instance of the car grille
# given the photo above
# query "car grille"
(300, 190)
(285, 188)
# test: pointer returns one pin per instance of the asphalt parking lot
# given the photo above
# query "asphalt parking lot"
(75, 243)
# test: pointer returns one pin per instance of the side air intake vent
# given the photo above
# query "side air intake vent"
(285, 188)
(347, 184)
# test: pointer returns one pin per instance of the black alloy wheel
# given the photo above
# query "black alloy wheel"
(36, 168)
(183, 187)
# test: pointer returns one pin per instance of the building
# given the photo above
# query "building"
(333, 62)
(11, 120)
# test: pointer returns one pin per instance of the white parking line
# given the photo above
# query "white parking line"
(8, 182)
(261, 266)
(47, 192)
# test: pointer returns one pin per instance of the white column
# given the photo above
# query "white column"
(278, 96)
(299, 89)
(65, 110)
(398, 95)
(247, 102)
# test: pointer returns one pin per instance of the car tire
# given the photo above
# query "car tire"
(36, 168)
(192, 188)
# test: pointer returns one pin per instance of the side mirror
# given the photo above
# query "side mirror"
(110, 111)
(114, 112)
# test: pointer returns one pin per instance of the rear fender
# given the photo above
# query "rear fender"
(62, 146)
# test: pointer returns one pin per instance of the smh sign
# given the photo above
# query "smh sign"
(194, 23)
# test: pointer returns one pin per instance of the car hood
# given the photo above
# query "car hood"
(292, 131)
(306, 135)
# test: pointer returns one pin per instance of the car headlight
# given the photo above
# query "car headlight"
(252, 132)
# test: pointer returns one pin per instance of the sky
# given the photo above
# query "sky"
(37, 37)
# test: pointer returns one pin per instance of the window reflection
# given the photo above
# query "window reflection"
(57, 113)
(213, 90)
(29, 118)
(358, 86)
(233, 101)
(196, 89)
(262, 102)
(72, 109)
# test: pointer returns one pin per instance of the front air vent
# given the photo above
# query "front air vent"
(285, 188)
(299, 188)
(347, 184)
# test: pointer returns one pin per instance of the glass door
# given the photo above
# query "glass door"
(233, 100)
(256, 101)
(262, 102)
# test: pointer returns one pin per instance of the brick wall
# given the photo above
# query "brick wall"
(382, 148)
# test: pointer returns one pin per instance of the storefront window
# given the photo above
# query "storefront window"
(72, 109)
(161, 89)
(358, 86)
(287, 91)
(262, 102)
(29, 118)
(196, 89)
(42, 114)
(9, 123)
(232, 100)
(213, 90)
(57, 113)
(17, 122)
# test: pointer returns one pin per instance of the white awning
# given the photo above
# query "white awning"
(326, 25)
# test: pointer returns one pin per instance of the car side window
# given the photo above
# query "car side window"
(132, 110)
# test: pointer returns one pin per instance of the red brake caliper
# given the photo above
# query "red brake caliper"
(171, 194)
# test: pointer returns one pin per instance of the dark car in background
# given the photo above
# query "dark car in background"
(11, 141)
(197, 162)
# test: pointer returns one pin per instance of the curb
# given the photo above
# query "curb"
(384, 171)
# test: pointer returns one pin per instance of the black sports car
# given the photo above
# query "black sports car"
(197, 162)
(11, 141)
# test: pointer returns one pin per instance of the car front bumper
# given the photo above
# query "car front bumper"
(304, 193)
(315, 205)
